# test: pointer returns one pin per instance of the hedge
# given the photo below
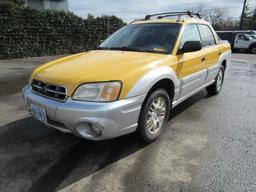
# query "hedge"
(25, 32)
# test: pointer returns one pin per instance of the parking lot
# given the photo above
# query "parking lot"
(208, 145)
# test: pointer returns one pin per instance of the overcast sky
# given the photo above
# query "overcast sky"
(135, 9)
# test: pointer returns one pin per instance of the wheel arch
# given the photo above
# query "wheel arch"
(159, 77)
(224, 59)
(224, 64)
(166, 84)
(252, 46)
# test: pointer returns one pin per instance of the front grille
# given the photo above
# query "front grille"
(49, 90)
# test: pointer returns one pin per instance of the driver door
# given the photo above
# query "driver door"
(242, 41)
(191, 68)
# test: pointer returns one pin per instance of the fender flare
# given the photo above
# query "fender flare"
(148, 80)
(226, 56)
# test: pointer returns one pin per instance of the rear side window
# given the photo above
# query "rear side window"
(241, 37)
(206, 35)
(190, 33)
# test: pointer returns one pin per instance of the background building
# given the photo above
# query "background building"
(48, 4)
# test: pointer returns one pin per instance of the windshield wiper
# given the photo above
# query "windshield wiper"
(123, 48)
(103, 48)
(117, 48)
(126, 49)
(130, 49)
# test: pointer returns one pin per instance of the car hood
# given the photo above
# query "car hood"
(97, 66)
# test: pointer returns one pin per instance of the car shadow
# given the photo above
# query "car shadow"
(48, 157)
(188, 103)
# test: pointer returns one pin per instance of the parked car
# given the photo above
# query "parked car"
(245, 42)
(132, 81)
(240, 40)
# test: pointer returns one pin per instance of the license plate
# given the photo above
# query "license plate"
(38, 113)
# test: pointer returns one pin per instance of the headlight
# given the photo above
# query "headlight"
(106, 91)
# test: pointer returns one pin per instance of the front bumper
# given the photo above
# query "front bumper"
(112, 119)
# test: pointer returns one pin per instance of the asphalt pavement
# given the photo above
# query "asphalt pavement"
(209, 143)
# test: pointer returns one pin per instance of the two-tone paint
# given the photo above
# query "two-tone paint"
(138, 72)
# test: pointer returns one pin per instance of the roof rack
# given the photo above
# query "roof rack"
(170, 14)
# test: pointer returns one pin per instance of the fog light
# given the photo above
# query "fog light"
(90, 130)
(97, 129)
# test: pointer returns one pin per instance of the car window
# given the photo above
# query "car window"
(206, 35)
(241, 37)
(190, 33)
(153, 37)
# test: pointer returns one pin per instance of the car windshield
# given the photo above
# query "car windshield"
(153, 37)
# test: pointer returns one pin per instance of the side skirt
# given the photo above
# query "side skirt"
(175, 103)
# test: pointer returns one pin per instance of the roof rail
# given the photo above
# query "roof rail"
(170, 14)
(135, 20)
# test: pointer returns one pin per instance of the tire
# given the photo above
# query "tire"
(253, 50)
(215, 88)
(154, 115)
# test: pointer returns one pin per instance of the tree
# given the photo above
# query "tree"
(90, 17)
(16, 2)
(216, 16)
(227, 24)
(248, 18)
(213, 15)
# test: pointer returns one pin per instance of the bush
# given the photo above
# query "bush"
(26, 32)
(13, 2)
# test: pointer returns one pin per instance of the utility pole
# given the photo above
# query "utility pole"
(242, 16)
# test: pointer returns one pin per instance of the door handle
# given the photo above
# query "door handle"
(203, 59)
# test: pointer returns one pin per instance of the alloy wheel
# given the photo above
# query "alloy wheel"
(156, 115)
(219, 80)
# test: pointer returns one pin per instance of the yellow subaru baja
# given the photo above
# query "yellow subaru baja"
(132, 80)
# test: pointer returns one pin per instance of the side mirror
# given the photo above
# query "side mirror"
(247, 39)
(191, 46)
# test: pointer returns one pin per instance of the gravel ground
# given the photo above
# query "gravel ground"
(209, 144)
